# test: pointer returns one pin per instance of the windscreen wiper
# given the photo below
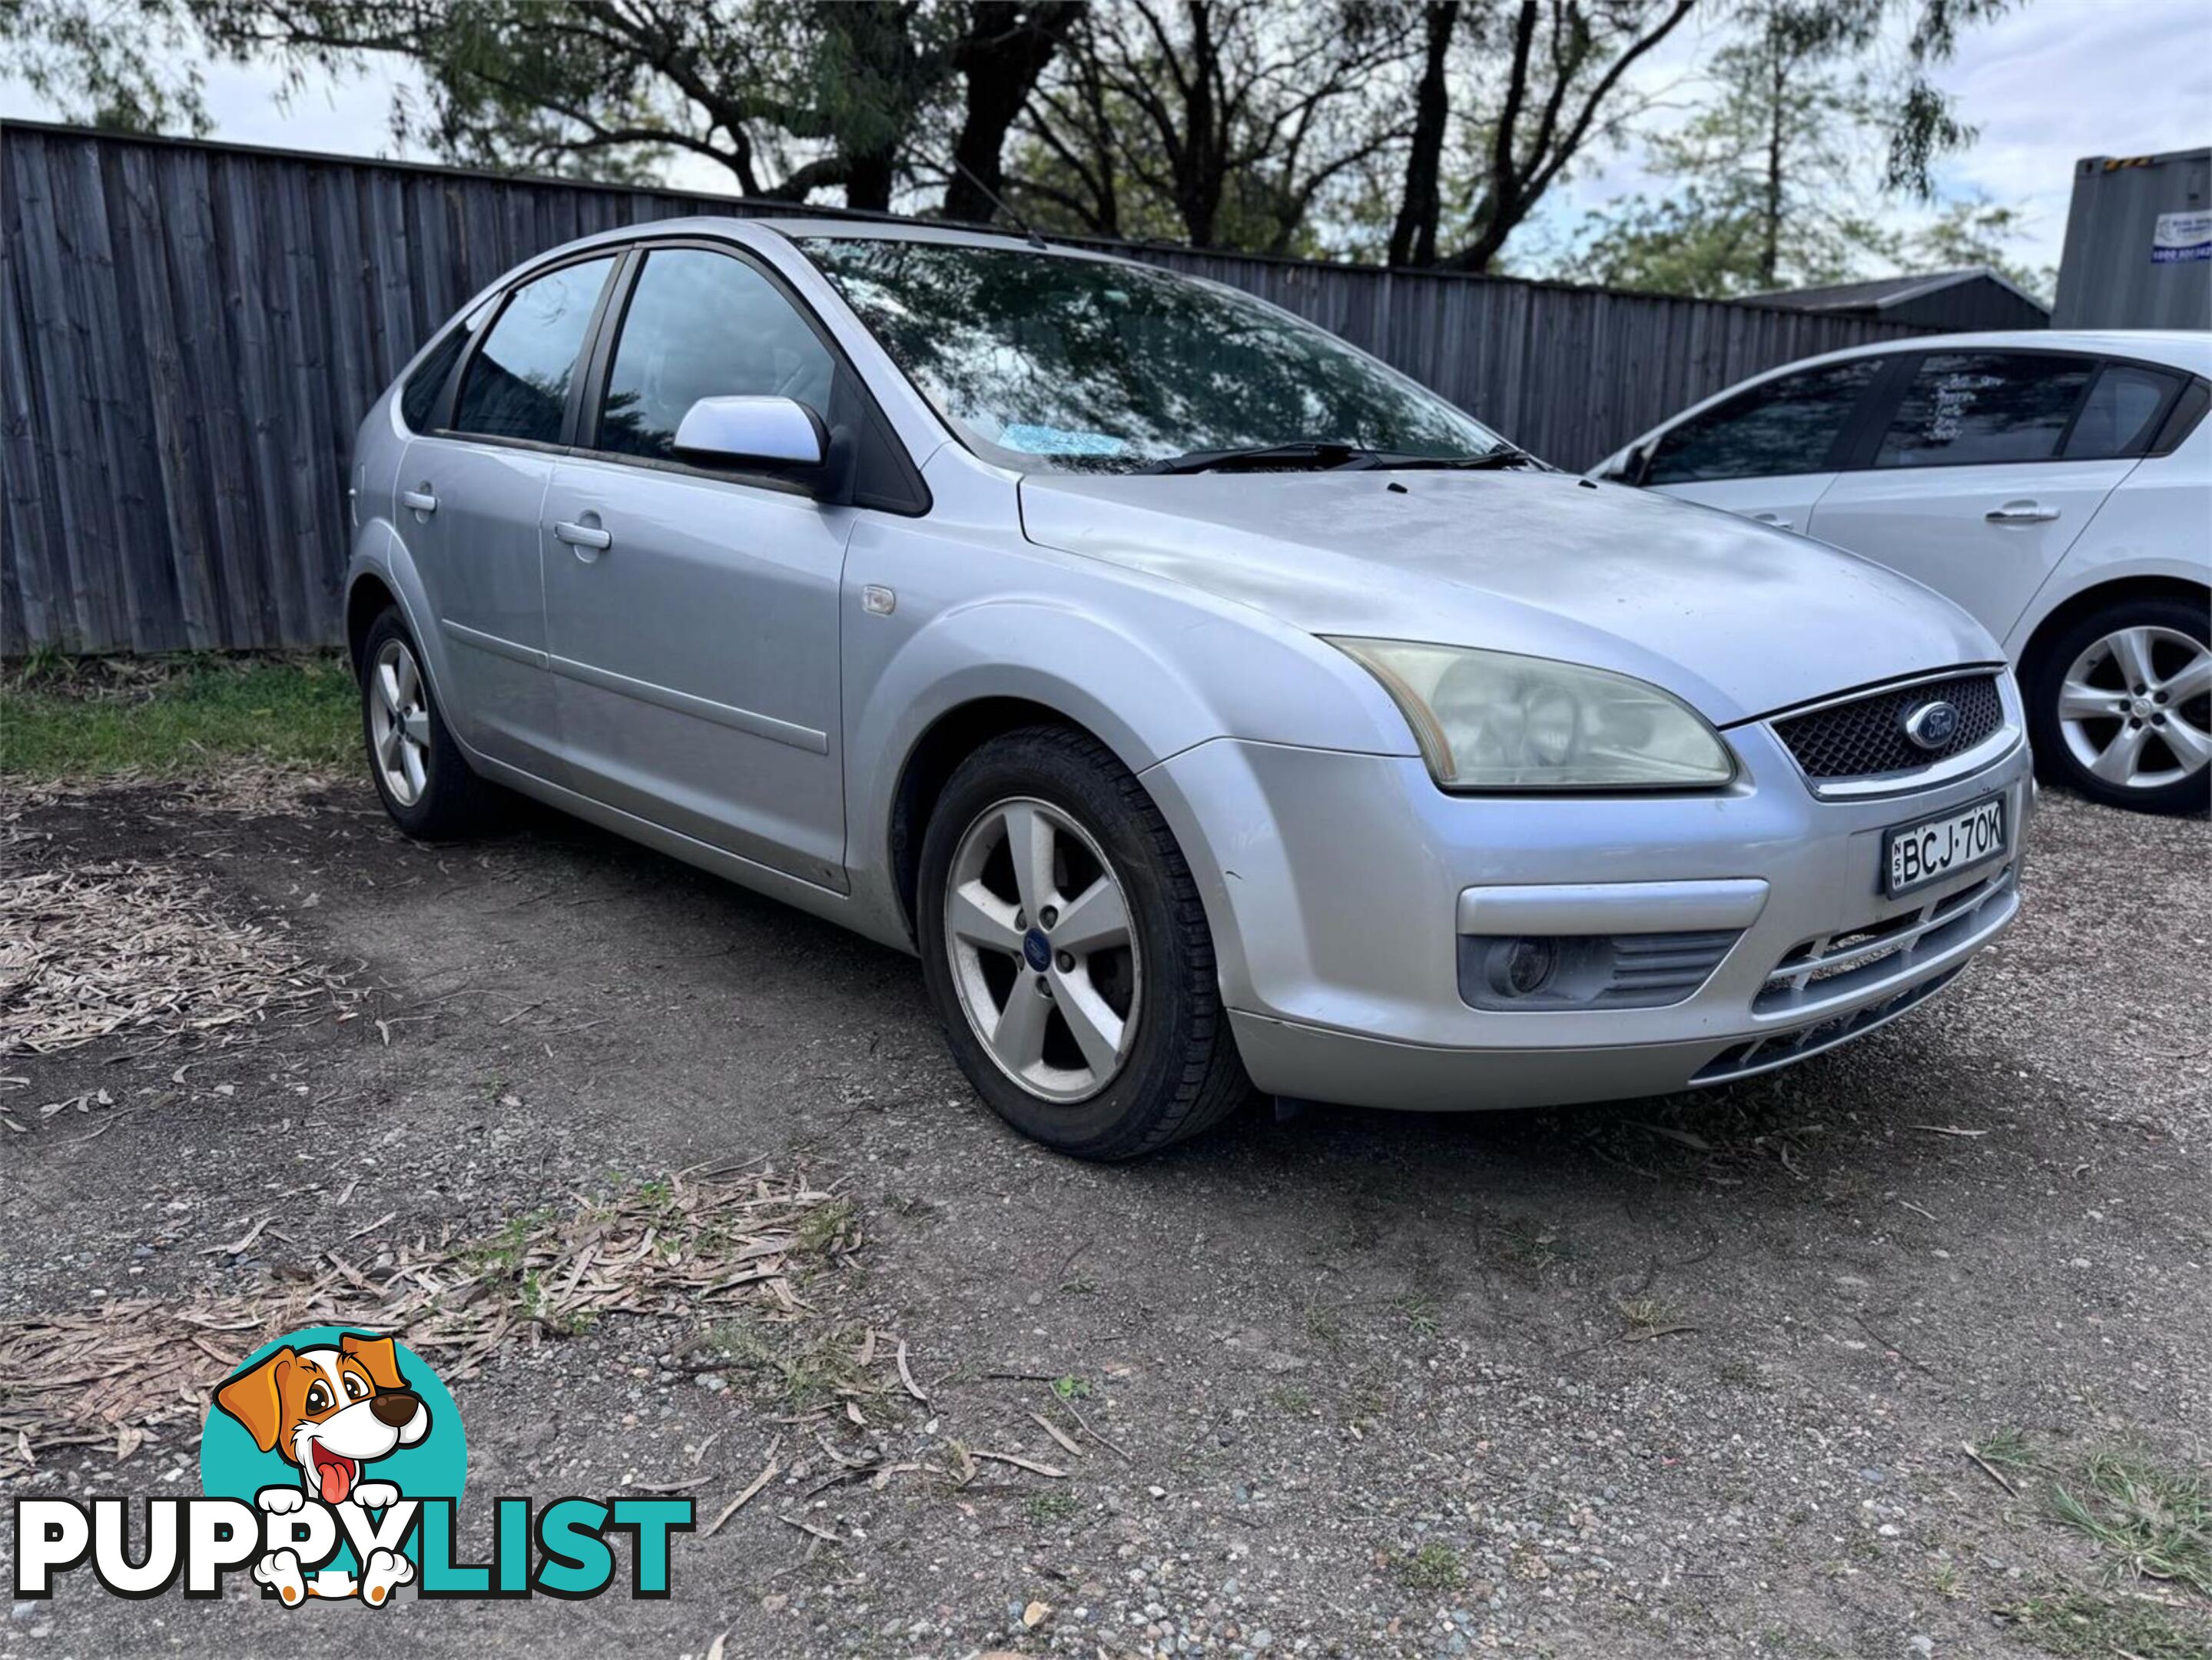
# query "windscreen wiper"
(1505, 455)
(1321, 455)
(1329, 455)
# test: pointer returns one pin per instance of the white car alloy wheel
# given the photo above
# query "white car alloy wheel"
(399, 722)
(1038, 937)
(2133, 707)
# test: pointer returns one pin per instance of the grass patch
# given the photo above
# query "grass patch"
(2153, 1522)
(1052, 1506)
(1529, 1245)
(2077, 1626)
(75, 718)
(803, 1371)
(1433, 1567)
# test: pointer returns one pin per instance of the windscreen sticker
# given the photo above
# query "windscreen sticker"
(1031, 439)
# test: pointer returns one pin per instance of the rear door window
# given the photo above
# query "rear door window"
(1986, 407)
(518, 385)
(1789, 424)
(705, 325)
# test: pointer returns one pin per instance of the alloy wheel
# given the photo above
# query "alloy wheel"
(399, 722)
(1043, 953)
(2135, 708)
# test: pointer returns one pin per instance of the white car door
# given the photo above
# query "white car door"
(1770, 452)
(1991, 465)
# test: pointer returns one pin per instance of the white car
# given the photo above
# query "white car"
(2056, 485)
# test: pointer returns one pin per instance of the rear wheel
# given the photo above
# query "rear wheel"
(422, 776)
(1065, 946)
(2122, 706)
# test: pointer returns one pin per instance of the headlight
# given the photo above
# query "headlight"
(1494, 720)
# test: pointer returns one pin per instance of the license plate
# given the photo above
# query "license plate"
(1916, 854)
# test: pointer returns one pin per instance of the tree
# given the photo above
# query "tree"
(125, 64)
(1000, 59)
(1227, 118)
(1559, 87)
(791, 99)
(1780, 178)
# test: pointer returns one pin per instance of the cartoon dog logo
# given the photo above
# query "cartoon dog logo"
(331, 1411)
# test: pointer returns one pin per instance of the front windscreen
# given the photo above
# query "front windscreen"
(1047, 361)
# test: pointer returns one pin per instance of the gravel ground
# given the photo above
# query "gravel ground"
(1677, 1377)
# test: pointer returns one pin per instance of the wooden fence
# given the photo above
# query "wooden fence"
(192, 330)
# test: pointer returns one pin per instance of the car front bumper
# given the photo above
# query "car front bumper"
(1338, 887)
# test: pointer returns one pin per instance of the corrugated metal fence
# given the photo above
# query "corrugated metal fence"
(193, 330)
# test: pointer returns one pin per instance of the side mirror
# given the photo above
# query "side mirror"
(765, 434)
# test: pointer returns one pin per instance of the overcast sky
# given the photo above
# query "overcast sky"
(2054, 81)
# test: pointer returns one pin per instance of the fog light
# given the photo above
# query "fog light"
(1521, 968)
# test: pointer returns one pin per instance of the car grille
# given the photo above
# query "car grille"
(1866, 736)
(1842, 964)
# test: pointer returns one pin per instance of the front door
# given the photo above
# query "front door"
(692, 617)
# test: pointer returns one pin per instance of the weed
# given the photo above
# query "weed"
(1531, 1245)
(2154, 1521)
(1420, 1311)
(503, 1252)
(803, 1373)
(2009, 1450)
(1433, 1567)
(823, 1227)
(1292, 1399)
(1945, 1581)
(2077, 1626)
(1324, 1326)
(1071, 1389)
(1646, 1315)
(1053, 1506)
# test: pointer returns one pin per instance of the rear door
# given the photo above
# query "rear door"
(470, 496)
(1772, 451)
(693, 614)
(1989, 465)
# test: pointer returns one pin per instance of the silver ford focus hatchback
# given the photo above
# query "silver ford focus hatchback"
(1208, 705)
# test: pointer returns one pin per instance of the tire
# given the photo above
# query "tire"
(1171, 1068)
(423, 780)
(2132, 653)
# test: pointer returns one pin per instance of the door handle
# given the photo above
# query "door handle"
(2020, 512)
(421, 500)
(1773, 519)
(582, 536)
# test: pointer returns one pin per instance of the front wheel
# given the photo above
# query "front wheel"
(2121, 707)
(420, 772)
(1064, 947)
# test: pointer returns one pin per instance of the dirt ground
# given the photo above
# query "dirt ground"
(1677, 1377)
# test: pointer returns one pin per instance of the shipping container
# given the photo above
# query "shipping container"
(2138, 250)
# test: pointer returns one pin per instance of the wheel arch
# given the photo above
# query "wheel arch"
(368, 599)
(2086, 602)
(930, 763)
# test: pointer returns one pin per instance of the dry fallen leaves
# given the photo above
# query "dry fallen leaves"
(127, 948)
(131, 1368)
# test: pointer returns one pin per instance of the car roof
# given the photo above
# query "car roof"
(796, 227)
(2188, 349)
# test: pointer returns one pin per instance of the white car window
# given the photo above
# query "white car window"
(1786, 425)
